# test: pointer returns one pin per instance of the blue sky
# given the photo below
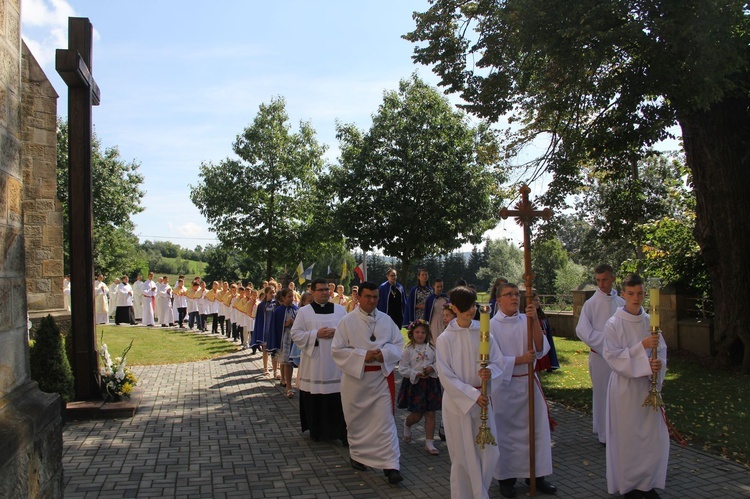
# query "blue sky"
(180, 80)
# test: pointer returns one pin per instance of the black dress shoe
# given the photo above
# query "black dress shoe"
(650, 494)
(543, 486)
(394, 476)
(358, 466)
(507, 490)
(633, 494)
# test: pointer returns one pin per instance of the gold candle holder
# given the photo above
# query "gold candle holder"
(484, 437)
(653, 399)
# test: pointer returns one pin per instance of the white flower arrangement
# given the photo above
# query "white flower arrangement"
(117, 380)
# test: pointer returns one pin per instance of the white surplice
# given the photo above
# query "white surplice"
(457, 365)
(147, 312)
(319, 374)
(365, 396)
(164, 303)
(124, 295)
(590, 329)
(101, 302)
(511, 393)
(138, 298)
(637, 436)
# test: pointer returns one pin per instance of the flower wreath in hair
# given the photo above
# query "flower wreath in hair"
(447, 306)
(418, 322)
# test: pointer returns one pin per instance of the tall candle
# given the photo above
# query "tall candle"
(484, 330)
(654, 314)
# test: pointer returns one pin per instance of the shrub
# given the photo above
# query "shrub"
(49, 362)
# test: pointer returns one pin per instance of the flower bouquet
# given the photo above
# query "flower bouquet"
(116, 379)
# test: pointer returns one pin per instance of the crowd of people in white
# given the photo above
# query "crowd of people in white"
(347, 348)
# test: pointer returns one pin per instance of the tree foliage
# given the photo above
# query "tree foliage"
(504, 260)
(264, 202)
(421, 180)
(117, 196)
(603, 82)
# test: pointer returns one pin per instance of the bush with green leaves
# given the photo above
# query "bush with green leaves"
(49, 363)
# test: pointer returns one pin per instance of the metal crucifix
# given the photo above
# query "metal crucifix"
(525, 212)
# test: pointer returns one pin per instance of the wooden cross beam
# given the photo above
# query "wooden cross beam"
(525, 212)
(74, 66)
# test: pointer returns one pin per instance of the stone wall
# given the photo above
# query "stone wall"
(42, 212)
(30, 424)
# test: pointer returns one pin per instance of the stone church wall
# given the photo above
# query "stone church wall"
(30, 424)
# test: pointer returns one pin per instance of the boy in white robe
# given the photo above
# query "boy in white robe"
(509, 329)
(637, 436)
(457, 365)
(590, 329)
(367, 347)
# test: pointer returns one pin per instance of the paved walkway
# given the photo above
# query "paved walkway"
(218, 428)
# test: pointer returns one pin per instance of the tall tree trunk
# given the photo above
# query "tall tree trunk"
(717, 148)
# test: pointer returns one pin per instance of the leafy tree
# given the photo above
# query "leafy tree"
(570, 276)
(671, 253)
(116, 195)
(420, 181)
(264, 201)
(604, 82)
(504, 259)
(547, 259)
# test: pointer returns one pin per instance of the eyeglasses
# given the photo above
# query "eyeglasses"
(512, 295)
(391, 275)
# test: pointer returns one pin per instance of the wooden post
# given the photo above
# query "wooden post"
(524, 211)
(74, 66)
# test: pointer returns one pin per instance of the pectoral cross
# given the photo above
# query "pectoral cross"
(74, 66)
(525, 212)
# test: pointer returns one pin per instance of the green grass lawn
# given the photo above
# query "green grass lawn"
(709, 407)
(153, 346)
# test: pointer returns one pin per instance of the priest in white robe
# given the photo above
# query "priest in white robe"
(472, 468)
(509, 329)
(637, 436)
(113, 296)
(124, 298)
(164, 302)
(367, 347)
(320, 378)
(149, 292)
(590, 329)
(138, 296)
(101, 300)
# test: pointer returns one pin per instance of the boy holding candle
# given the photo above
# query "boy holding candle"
(637, 436)
(458, 350)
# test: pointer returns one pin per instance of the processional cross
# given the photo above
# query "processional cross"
(525, 212)
(74, 66)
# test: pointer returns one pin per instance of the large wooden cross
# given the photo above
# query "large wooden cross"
(74, 66)
(525, 212)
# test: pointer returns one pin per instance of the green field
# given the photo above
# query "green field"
(156, 346)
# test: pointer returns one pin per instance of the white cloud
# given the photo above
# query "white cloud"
(192, 229)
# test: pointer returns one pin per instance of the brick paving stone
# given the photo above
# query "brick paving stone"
(218, 428)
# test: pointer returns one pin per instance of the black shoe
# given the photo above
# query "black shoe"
(507, 490)
(394, 476)
(650, 494)
(543, 486)
(357, 465)
(633, 494)
(441, 436)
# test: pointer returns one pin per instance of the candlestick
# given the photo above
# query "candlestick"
(484, 437)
